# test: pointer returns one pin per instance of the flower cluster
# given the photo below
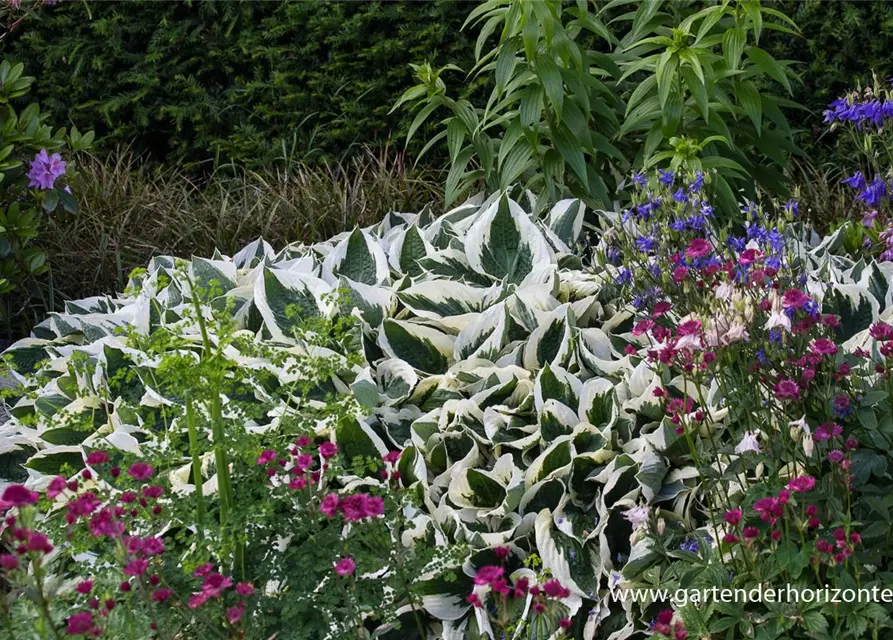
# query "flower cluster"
(668, 625)
(45, 170)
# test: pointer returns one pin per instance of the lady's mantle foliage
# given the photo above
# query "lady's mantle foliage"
(499, 355)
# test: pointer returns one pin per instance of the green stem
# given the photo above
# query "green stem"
(196, 469)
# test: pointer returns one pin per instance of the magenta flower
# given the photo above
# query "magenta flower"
(823, 347)
(329, 505)
(56, 486)
(215, 584)
(244, 589)
(794, 299)
(136, 567)
(9, 562)
(203, 569)
(488, 574)
(733, 516)
(79, 624)
(303, 441)
(153, 546)
(234, 614)
(698, 248)
(18, 495)
(392, 456)
(786, 388)
(881, 331)
(328, 449)
(153, 491)
(140, 471)
(345, 567)
(266, 457)
(97, 457)
(84, 587)
(45, 169)
(689, 328)
(750, 532)
(801, 484)
(553, 589)
(160, 595)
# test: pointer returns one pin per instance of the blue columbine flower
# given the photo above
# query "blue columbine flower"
(646, 244)
(680, 196)
(697, 222)
(666, 177)
(855, 181)
(613, 255)
(775, 335)
(751, 209)
(698, 183)
(677, 225)
(639, 180)
(776, 240)
(791, 208)
(738, 244)
(706, 210)
(812, 308)
(874, 192)
(690, 545)
(625, 276)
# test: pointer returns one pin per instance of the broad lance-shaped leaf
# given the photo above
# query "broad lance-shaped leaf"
(422, 347)
(551, 342)
(358, 257)
(485, 336)
(215, 276)
(374, 303)
(407, 250)
(442, 298)
(504, 244)
(558, 384)
(356, 439)
(566, 220)
(285, 299)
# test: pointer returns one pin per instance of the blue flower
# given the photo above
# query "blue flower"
(646, 244)
(666, 177)
(812, 308)
(697, 222)
(613, 255)
(874, 192)
(698, 183)
(775, 336)
(738, 244)
(655, 270)
(706, 210)
(639, 180)
(791, 208)
(690, 545)
(751, 209)
(677, 225)
(776, 240)
(680, 196)
(625, 276)
(855, 181)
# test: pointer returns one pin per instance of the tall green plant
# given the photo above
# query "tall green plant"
(552, 110)
(705, 92)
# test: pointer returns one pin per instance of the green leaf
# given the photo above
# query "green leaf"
(749, 99)
(733, 46)
(550, 77)
(769, 66)
(572, 152)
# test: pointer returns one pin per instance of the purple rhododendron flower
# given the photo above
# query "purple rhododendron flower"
(45, 169)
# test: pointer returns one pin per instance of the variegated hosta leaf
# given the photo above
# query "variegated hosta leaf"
(358, 257)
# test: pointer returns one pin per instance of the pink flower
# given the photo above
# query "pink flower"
(750, 532)
(488, 575)
(56, 486)
(18, 495)
(196, 600)
(502, 552)
(881, 331)
(9, 562)
(801, 484)
(84, 587)
(97, 457)
(303, 441)
(345, 567)
(794, 299)
(136, 567)
(689, 328)
(140, 471)
(153, 546)
(203, 569)
(749, 256)
(642, 327)
(329, 505)
(79, 624)
(244, 589)
(328, 449)
(679, 273)
(39, 543)
(353, 508)
(823, 347)
(234, 614)
(153, 491)
(215, 584)
(374, 506)
(786, 388)
(297, 484)
(660, 309)
(304, 461)
(698, 248)
(266, 457)
(392, 456)
(553, 589)
(160, 595)
(733, 516)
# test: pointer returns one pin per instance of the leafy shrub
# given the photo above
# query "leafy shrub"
(682, 88)
(582, 414)
(34, 177)
(247, 82)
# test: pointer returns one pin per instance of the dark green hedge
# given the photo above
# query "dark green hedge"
(843, 41)
(189, 81)
(253, 81)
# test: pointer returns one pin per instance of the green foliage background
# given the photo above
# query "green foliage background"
(843, 41)
(257, 81)
(250, 81)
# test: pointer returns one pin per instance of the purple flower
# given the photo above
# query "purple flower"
(855, 181)
(45, 169)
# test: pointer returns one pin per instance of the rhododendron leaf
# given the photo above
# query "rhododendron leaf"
(504, 243)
